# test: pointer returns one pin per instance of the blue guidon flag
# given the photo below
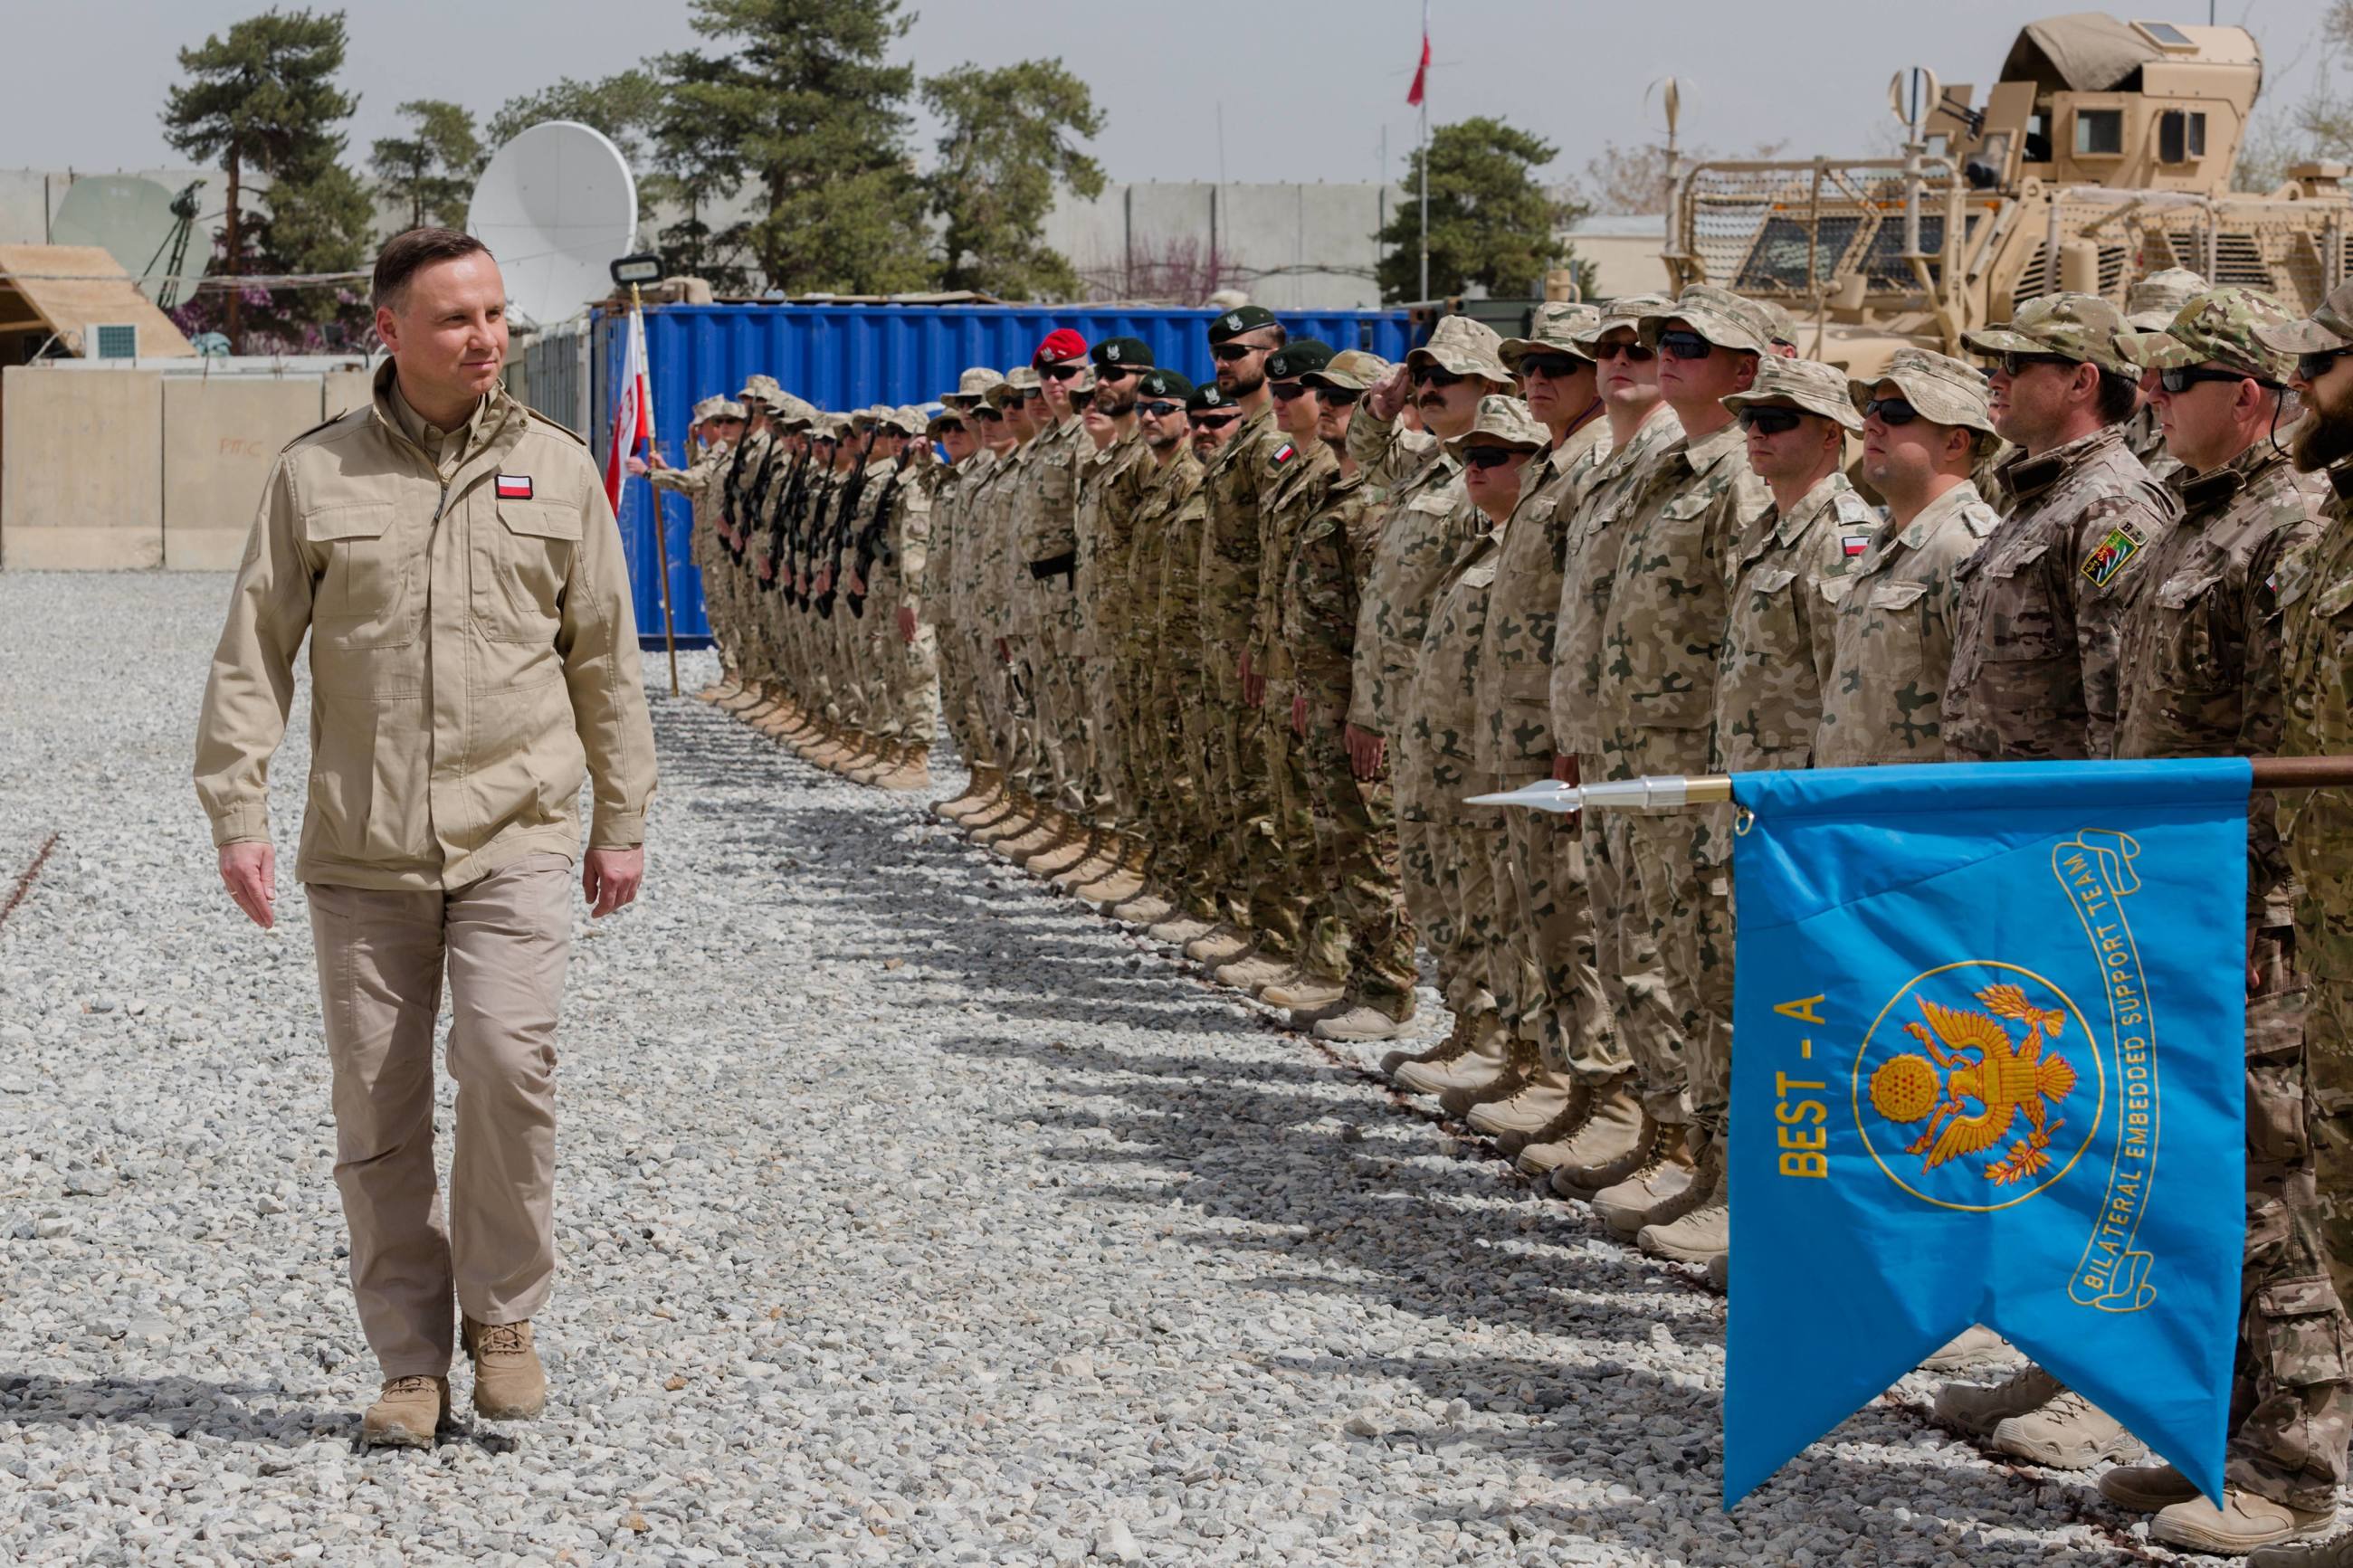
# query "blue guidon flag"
(1990, 1070)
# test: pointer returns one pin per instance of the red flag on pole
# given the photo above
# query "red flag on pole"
(1422, 71)
(633, 415)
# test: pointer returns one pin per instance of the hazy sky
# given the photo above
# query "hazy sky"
(1306, 89)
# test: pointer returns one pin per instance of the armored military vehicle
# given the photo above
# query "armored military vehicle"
(2104, 152)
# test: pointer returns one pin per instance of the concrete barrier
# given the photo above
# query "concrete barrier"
(221, 438)
(81, 469)
(346, 390)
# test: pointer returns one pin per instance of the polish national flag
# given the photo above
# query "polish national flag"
(633, 412)
(1422, 71)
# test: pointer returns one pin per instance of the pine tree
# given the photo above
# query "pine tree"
(430, 171)
(1491, 223)
(1008, 136)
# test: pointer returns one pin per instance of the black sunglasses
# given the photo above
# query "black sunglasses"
(987, 415)
(1229, 353)
(2011, 365)
(1890, 411)
(1214, 421)
(1489, 457)
(1684, 344)
(1160, 409)
(1430, 376)
(1284, 391)
(2314, 365)
(1770, 421)
(2180, 379)
(1336, 396)
(947, 427)
(1635, 352)
(1551, 367)
(1115, 372)
(1061, 372)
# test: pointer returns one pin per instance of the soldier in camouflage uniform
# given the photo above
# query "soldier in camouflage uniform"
(753, 673)
(1035, 823)
(1548, 983)
(2150, 305)
(718, 424)
(958, 433)
(2036, 660)
(995, 416)
(1043, 495)
(2202, 678)
(898, 639)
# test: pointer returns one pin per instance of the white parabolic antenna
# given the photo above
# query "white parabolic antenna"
(556, 205)
(133, 220)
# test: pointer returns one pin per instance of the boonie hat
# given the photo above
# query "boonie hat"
(725, 408)
(2080, 326)
(1727, 319)
(1351, 370)
(971, 388)
(1806, 384)
(1626, 311)
(761, 388)
(1945, 390)
(2217, 326)
(1461, 346)
(1555, 327)
(1502, 421)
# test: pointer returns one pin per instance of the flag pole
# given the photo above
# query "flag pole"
(1680, 792)
(1425, 154)
(661, 546)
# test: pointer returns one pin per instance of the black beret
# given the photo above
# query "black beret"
(1239, 319)
(1206, 397)
(1294, 360)
(1163, 384)
(1133, 353)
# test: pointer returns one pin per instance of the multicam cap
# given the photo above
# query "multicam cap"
(762, 387)
(1020, 379)
(2151, 304)
(1727, 319)
(971, 388)
(1164, 383)
(1239, 319)
(1626, 311)
(1351, 370)
(1807, 384)
(1557, 327)
(2328, 329)
(2217, 326)
(2080, 327)
(1297, 358)
(906, 419)
(1461, 346)
(1945, 390)
(1502, 421)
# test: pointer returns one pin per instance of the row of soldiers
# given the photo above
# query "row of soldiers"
(1228, 660)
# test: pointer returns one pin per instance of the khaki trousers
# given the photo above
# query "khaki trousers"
(502, 942)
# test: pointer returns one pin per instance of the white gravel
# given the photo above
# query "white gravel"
(907, 1215)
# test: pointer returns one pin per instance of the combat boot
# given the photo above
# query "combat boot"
(1542, 1096)
(1609, 1132)
(1065, 850)
(1457, 1041)
(1355, 1023)
(508, 1382)
(2336, 1553)
(1974, 1409)
(1971, 1347)
(1584, 1179)
(1301, 992)
(1696, 1226)
(1098, 858)
(1147, 906)
(2147, 1488)
(2243, 1522)
(406, 1412)
(911, 772)
(1575, 1107)
(1178, 929)
(1044, 832)
(1220, 944)
(1489, 1054)
(980, 787)
(1016, 814)
(1523, 1062)
(1667, 1176)
(2070, 1433)
(1252, 972)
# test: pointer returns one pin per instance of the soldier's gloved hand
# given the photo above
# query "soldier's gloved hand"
(1298, 717)
(906, 625)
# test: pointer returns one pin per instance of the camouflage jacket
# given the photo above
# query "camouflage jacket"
(2316, 599)
(1294, 494)
(1663, 634)
(1884, 697)
(2201, 655)
(742, 477)
(699, 482)
(1589, 571)
(1230, 548)
(1439, 722)
(1160, 540)
(1111, 483)
(1428, 520)
(2145, 433)
(896, 578)
(1178, 512)
(2043, 604)
(996, 503)
(964, 564)
(1045, 507)
(1513, 682)
(1780, 640)
(1324, 589)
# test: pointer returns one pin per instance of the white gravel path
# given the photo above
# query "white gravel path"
(907, 1214)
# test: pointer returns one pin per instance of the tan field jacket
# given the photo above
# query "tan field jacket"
(473, 655)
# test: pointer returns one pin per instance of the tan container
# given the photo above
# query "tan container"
(81, 469)
(221, 438)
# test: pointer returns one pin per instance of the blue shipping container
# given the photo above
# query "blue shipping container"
(848, 357)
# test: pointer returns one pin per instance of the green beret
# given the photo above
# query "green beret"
(1239, 319)
(1163, 384)
(1294, 360)
(1122, 353)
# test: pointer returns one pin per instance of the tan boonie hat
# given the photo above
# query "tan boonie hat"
(2080, 326)
(764, 388)
(1784, 325)
(1557, 327)
(1727, 319)
(906, 419)
(724, 408)
(971, 388)
(1503, 420)
(2151, 304)
(1461, 346)
(793, 413)
(704, 409)
(1351, 370)
(2328, 328)
(1626, 311)
(2217, 326)
(1806, 384)
(1945, 390)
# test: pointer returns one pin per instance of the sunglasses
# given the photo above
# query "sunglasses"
(1770, 421)
(1635, 352)
(1033, 395)
(1551, 367)
(2182, 379)
(1227, 354)
(1890, 411)
(2014, 365)
(1061, 372)
(1115, 372)
(987, 415)
(1336, 396)
(1213, 421)
(1430, 376)
(1284, 391)
(1681, 345)
(2314, 365)
(1161, 409)
(1491, 457)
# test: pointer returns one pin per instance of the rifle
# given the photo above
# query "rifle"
(759, 500)
(827, 485)
(778, 580)
(794, 526)
(845, 507)
(732, 535)
(874, 539)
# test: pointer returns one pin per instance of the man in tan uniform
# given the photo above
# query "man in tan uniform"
(473, 657)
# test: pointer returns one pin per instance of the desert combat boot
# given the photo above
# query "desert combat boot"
(2245, 1520)
(1605, 1132)
(406, 1412)
(508, 1382)
(1652, 1190)
(1488, 1054)
(1976, 1409)
(1534, 1106)
(2068, 1432)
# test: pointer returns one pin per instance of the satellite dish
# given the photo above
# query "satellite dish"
(556, 205)
(141, 225)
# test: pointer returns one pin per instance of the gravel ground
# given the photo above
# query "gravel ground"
(907, 1215)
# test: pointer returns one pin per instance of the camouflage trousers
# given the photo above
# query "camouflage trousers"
(1058, 693)
(1005, 706)
(1193, 844)
(960, 708)
(1257, 886)
(1554, 972)
(1355, 825)
(901, 678)
(2291, 1401)
(1448, 858)
(2328, 1055)
(1627, 959)
(1117, 803)
(1302, 880)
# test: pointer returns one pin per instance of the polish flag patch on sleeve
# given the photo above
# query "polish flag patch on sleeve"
(1284, 453)
(515, 487)
(1854, 544)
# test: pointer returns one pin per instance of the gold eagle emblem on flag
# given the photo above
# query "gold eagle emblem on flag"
(1990, 1081)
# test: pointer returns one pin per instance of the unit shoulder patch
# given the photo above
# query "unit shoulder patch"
(2117, 550)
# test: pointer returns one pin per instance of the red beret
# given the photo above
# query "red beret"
(1061, 346)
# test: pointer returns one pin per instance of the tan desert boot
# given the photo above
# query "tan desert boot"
(2071, 1432)
(508, 1382)
(1354, 1022)
(1539, 1103)
(1457, 1041)
(1976, 1409)
(2147, 1488)
(2243, 1522)
(913, 771)
(1627, 1207)
(1698, 1226)
(1975, 1345)
(1611, 1126)
(1178, 929)
(1523, 1062)
(1220, 945)
(1489, 1054)
(1252, 972)
(406, 1412)
(1301, 991)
